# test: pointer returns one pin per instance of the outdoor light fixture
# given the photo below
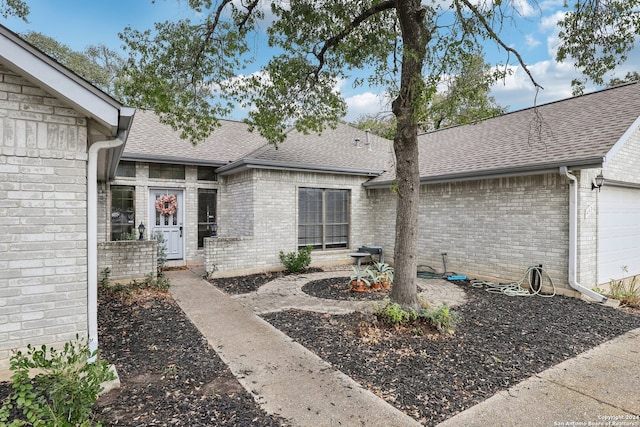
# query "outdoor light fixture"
(598, 182)
(141, 230)
(214, 229)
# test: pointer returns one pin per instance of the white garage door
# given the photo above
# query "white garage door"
(619, 233)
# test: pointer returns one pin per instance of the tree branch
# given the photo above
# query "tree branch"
(335, 40)
(497, 39)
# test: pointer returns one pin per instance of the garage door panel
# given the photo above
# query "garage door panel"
(619, 233)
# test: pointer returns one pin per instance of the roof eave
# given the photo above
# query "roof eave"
(246, 164)
(595, 162)
(58, 80)
(138, 157)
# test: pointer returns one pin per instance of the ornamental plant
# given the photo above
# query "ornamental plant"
(63, 391)
(296, 262)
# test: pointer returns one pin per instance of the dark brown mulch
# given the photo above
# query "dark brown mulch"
(172, 377)
(338, 288)
(499, 342)
(252, 282)
(169, 374)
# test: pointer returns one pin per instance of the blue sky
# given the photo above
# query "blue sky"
(78, 23)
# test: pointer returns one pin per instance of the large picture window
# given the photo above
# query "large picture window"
(123, 219)
(323, 218)
(206, 214)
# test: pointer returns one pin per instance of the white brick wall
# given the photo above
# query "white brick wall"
(496, 228)
(261, 207)
(43, 254)
(623, 166)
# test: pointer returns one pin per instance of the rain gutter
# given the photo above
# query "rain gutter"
(541, 169)
(92, 236)
(136, 157)
(573, 238)
(245, 164)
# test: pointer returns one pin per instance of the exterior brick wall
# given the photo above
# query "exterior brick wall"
(43, 237)
(236, 195)
(269, 200)
(623, 165)
(493, 228)
(128, 259)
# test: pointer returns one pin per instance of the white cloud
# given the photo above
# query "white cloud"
(364, 104)
(524, 8)
(531, 41)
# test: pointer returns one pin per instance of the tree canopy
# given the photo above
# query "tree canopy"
(17, 8)
(97, 64)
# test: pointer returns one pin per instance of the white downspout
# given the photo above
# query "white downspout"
(92, 239)
(573, 239)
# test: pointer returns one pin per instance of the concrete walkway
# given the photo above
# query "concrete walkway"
(601, 386)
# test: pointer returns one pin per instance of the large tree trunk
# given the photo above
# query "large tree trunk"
(414, 34)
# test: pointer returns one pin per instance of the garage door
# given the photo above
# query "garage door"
(619, 233)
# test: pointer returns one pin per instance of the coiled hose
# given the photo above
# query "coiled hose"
(515, 289)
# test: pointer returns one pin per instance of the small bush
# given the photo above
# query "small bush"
(443, 318)
(62, 394)
(627, 291)
(161, 252)
(393, 314)
(296, 262)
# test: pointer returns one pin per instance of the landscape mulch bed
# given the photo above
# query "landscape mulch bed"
(170, 376)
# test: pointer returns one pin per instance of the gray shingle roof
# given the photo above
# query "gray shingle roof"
(333, 151)
(150, 140)
(576, 132)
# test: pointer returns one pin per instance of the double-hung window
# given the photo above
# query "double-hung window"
(323, 218)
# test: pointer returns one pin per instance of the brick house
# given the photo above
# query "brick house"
(497, 196)
(237, 184)
(59, 136)
(79, 173)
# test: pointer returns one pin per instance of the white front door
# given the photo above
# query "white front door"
(167, 215)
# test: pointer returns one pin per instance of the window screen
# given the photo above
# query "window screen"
(323, 218)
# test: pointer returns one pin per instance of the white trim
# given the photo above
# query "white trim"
(60, 84)
(623, 140)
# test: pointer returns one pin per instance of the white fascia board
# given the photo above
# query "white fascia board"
(58, 83)
(623, 139)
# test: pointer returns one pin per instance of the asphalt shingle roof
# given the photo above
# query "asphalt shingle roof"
(333, 149)
(153, 141)
(571, 130)
(574, 132)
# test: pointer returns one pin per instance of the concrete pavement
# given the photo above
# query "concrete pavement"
(599, 387)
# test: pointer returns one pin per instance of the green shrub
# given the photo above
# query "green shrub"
(64, 391)
(393, 314)
(443, 318)
(296, 262)
(161, 252)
